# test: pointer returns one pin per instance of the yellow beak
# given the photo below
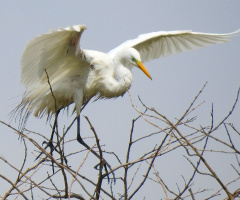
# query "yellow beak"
(141, 66)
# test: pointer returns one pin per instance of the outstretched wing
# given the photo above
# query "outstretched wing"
(47, 51)
(158, 44)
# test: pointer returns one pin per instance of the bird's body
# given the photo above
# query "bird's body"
(57, 72)
(78, 82)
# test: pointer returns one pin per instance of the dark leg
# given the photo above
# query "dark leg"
(80, 140)
(49, 143)
(54, 127)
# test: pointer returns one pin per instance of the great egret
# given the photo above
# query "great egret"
(76, 75)
(57, 72)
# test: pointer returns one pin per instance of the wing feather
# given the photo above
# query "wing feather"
(47, 51)
(159, 44)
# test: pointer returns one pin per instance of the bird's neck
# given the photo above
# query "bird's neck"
(123, 76)
(119, 83)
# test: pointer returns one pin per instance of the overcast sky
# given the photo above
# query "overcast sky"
(176, 79)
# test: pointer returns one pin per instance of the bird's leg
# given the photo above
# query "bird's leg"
(50, 143)
(80, 140)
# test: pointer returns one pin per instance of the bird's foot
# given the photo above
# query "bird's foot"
(52, 149)
(48, 144)
(106, 166)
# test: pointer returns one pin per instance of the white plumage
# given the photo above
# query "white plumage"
(76, 75)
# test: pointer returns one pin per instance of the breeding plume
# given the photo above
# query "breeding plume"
(58, 72)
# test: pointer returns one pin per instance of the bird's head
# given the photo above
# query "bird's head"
(130, 57)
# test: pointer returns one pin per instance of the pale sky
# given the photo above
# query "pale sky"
(176, 79)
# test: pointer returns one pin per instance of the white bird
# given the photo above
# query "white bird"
(57, 72)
